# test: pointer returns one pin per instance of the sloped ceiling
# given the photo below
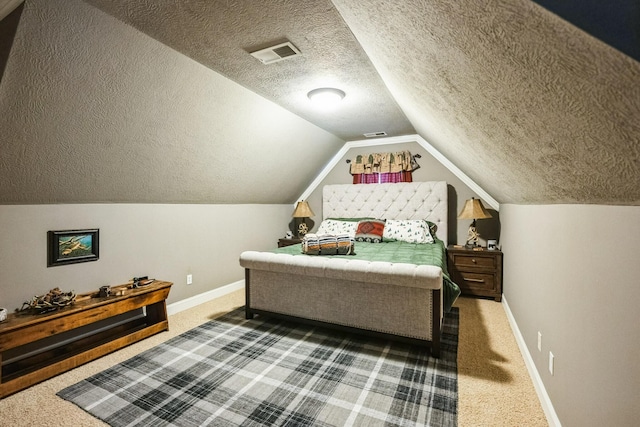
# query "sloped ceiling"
(221, 34)
(528, 105)
(94, 111)
(532, 108)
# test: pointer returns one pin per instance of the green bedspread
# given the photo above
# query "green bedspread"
(411, 253)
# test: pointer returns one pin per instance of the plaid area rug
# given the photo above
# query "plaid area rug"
(266, 372)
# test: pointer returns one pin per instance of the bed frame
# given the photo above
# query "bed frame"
(398, 301)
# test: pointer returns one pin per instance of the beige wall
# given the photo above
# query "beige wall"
(430, 170)
(572, 273)
(162, 241)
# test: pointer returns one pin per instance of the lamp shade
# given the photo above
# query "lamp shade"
(302, 210)
(473, 209)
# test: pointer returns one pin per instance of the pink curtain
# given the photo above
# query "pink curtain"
(379, 178)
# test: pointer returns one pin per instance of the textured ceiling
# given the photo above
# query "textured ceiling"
(92, 110)
(220, 35)
(532, 108)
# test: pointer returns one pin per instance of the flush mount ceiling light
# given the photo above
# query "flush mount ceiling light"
(326, 96)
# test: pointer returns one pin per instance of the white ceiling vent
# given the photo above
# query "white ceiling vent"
(276, 53)
(374, 134)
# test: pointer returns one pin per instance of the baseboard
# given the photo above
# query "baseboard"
(195, 300)
(545, 401)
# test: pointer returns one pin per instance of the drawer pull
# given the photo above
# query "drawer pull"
(474, 280)
(473, 260)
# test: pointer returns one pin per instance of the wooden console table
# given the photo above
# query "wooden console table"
(25, 330)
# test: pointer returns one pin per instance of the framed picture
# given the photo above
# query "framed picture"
(72, 246)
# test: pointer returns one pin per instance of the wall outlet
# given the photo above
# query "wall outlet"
(539, 341)
(189, 279)
(551, 361)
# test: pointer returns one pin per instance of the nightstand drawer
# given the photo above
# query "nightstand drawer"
(467, 260)
(476, 281)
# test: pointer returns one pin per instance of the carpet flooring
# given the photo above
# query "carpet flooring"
(233, 371)
(494, 386)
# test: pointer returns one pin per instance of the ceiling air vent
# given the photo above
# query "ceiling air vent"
(276, 53)
(374, 134)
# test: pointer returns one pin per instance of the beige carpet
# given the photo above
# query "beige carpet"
(494, 386)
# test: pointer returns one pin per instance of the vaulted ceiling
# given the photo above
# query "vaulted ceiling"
(531, 107)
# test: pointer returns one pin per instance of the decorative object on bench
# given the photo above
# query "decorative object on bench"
(141, 281)
(369, 292)
(473, 209)
(72, 246)
(51, 301)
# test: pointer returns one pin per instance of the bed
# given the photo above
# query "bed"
(366, 292)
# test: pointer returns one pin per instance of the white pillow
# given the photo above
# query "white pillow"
(335, 227)
(407, 230)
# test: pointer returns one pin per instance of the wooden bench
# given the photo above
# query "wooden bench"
(24, 363)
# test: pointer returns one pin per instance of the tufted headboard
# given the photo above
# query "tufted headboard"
(409, 200)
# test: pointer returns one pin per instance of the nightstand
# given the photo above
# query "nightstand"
(288, 242)
(477, 273)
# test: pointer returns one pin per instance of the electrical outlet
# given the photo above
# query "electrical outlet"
(189, 279)
(539, 341)
(551, 361)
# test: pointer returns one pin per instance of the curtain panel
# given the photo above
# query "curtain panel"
(376, 168)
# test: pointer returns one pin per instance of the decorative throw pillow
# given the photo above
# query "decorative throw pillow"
(335, 227)
(411, 231)
(370, 230)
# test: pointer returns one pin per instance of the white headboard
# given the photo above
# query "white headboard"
(408, 200)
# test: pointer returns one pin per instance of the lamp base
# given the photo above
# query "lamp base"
(303, 229)
(472, 236)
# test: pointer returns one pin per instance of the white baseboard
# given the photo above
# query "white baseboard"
(545, 401)
(191, 302)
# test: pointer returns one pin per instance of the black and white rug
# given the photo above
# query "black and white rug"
(266, 372)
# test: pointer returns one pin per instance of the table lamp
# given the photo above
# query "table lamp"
(302, 211)
(473, 209)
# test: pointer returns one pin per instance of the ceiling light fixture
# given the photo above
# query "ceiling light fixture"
(326, 96)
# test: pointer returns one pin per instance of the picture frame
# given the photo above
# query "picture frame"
(72, 246)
